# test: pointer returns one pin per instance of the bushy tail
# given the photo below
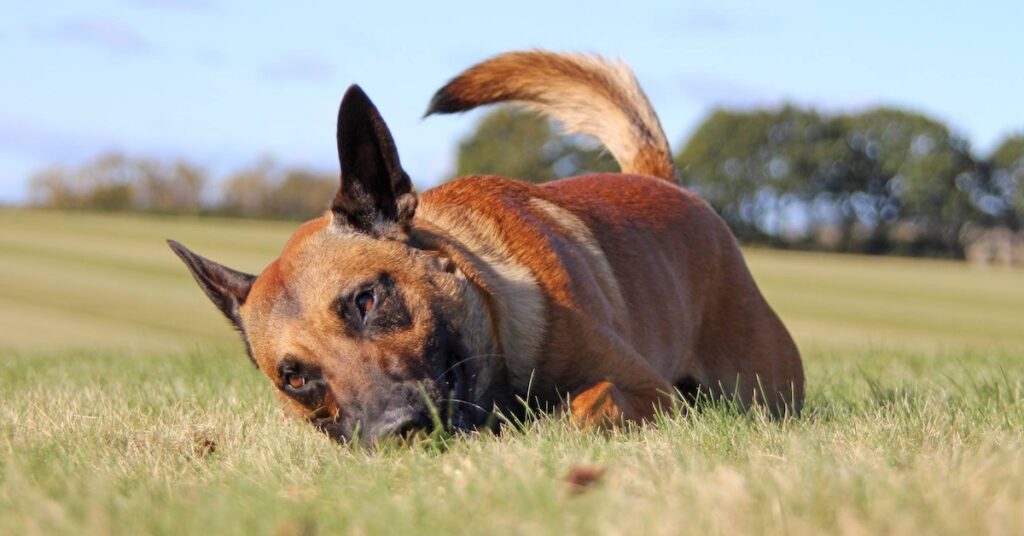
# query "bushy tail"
(586, 94)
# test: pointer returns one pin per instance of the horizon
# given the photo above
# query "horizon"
(251, 82)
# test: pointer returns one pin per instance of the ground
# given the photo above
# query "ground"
(129, 406)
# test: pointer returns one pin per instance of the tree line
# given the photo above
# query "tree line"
(119, 183)
(879, 181)
(884, 181)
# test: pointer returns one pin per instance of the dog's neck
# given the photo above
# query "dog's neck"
(479, 320)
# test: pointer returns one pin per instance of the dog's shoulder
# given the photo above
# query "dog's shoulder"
(627, 190)
(599, 200)
(478, 190)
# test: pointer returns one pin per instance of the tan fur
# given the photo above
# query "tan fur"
(605, 279)
(588, 95)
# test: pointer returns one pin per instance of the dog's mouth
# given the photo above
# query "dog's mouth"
(449, 406)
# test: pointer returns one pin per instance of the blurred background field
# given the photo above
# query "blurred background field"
(74, 280)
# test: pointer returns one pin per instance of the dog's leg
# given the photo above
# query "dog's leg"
(605, 404)
(618, 385)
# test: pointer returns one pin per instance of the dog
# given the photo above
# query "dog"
(610, 296)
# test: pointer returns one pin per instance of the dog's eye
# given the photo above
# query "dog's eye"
(364, 302)
(300, 382)
(296, 382)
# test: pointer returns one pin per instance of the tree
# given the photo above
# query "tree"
(748, 165)
(54, 187)
(913, 179)
(1007, 164)
(875, 181)
(267, 190)
(525, 146)
(303, 194)
(247, 192)
(115, 182)
(168, 187)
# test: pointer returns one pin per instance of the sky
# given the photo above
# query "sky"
(224, 83)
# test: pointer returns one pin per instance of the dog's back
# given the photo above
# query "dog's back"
(617, 277)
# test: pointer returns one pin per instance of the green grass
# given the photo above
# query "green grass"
(118, 375)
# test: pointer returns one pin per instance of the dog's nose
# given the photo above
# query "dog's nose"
(419, 422)
(404, 425)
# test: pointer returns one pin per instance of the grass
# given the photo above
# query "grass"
(129, 407)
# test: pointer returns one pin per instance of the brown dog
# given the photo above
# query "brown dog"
(614, 290)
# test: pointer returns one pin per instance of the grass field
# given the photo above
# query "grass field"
(128, 406)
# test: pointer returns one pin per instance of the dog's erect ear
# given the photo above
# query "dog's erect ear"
(375, 192)
(226, 288)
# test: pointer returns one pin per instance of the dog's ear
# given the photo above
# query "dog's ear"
(226, 288)
(375, 192)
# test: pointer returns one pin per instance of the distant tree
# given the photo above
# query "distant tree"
(115, 182)
(872, 182)
(750, 165)
(303, 194)
(1010, 153)
(525, 146)
(1007, 163)
(913, 179)
(54, 187)
(267, 190)
(248, 191)
(169, 187)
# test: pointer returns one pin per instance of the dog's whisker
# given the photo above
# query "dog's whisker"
(463, 402)
(461, 361)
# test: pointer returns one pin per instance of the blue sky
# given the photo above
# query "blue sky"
(225, 82)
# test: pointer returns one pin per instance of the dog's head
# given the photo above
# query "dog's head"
(357, 323)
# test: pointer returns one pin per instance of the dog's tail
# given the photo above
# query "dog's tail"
(586, 94)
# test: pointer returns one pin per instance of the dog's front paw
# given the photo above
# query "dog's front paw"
(602, 405)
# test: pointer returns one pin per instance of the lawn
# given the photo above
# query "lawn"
(129, 407)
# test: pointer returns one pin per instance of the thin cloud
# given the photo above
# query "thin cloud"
(112, 34)
(298, 67)
(26, 139)
(704, 18)
(43, 146)
(209, 56)
(719, 21)
(175, 4)
(714, 91)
